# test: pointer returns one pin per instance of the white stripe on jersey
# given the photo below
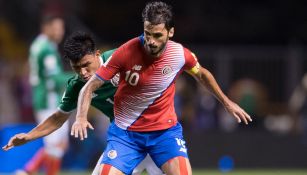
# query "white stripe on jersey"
(108, 60)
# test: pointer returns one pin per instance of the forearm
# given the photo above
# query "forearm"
(84, 101)
(297, 99)
(52, 123)
(207, 80)
(85, 97)
(204, 77)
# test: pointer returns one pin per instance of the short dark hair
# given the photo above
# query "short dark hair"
(77, 45)
(158, 12)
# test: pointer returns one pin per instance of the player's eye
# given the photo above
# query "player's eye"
(147, 33)
(75, 67)
(158, 35)
(86, 64)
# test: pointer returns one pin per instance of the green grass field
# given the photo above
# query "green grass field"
(236, 172)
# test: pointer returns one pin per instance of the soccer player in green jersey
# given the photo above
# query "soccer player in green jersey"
(84, 59)
(47, 80)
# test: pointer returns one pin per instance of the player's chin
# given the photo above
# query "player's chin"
(154, 52)
(151, 51)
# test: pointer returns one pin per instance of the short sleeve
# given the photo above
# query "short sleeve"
(190, 59)
(113, 65)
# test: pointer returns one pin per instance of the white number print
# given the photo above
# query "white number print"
(110, 101)
(132, 78)
(181, 143)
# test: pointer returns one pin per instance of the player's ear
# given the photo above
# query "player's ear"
(97, 53)
(171, 32)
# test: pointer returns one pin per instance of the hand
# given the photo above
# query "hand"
(238, 112)
(16, 140)
(79, 129)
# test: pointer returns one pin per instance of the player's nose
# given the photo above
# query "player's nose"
(151, 41)
(83, 71)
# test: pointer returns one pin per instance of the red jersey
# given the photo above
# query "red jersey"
(144, 100)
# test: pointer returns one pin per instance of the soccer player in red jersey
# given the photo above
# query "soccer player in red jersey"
(145, 119)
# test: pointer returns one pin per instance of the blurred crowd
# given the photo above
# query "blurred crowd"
(204, 112)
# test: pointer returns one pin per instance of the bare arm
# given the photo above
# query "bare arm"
(79, 128)
(204, 77)
(298, 96)
(52, 123)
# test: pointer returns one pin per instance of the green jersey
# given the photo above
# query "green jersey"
(102, 98)
(46, 74)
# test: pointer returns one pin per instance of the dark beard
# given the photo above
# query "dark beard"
(157, 52)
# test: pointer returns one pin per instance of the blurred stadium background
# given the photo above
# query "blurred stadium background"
(255, 49)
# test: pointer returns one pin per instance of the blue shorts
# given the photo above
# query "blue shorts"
(126, 149)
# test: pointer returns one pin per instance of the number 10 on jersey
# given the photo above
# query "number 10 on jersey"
(132, 78)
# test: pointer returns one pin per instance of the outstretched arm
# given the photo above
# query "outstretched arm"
(52, 123)
(79, 128)
(204, 77)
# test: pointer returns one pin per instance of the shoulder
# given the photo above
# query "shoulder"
(74, 83)
(132, 44)
(128, 48)
(38, 45)
(106, 55)
(42, 46)
(174, 49)
(109, 52)
(174, 44)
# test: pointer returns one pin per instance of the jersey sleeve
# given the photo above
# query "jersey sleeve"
(113, 65)
(191, 62)
(69, 99)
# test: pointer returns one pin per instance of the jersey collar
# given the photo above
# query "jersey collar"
(101, 61)
(141, 37)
